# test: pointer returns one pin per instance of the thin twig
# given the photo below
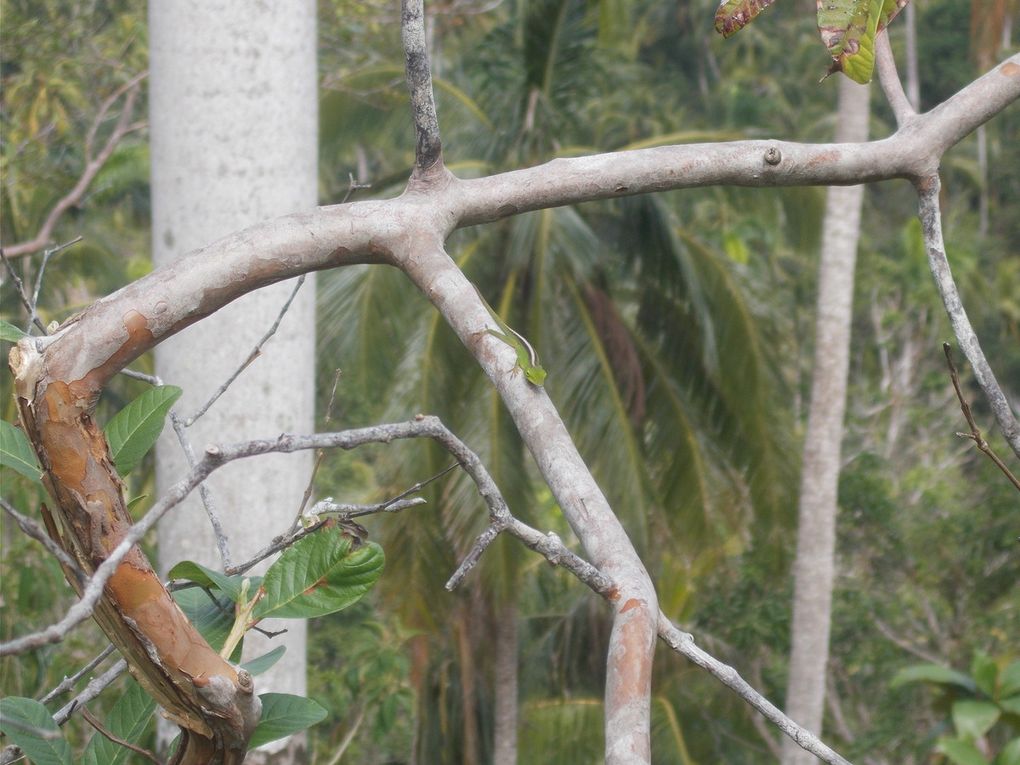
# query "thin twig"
(150, 379)
(68, 683)
(975, 432)
(91, 720)
(938, 263)
(222, 543)
(47, 254)
(320, 454)
(38, 533)
(352, 186)
(428, 152)
(19, 286)
(890, 80)
(94, 688)
(255, 353)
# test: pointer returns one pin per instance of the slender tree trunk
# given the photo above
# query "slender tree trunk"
(913, 78)
(814, 564)
(505, 736)
(233, 106)
(469, 721)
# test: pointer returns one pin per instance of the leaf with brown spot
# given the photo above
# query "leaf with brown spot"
(848, 29)
(734, 15)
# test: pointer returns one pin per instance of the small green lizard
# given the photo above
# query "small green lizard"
(527, 358)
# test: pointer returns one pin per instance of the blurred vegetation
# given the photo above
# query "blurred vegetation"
(678, 335)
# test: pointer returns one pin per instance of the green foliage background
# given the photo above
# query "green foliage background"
(678, 335)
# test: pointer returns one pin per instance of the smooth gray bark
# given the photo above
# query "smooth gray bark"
(816, 534)
(233, 106)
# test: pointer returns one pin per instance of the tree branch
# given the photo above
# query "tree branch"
(93, 165)
(428, 152)
(890, 80)
(938, 263)
(975, 432)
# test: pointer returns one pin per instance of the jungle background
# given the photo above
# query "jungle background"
(677, 331)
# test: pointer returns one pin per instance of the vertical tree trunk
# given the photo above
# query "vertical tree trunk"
(913, 76)
(814, 565)
(466, 660)
(234, 121)
(505, 735)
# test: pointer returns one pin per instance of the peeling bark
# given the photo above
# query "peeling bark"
(212, 701)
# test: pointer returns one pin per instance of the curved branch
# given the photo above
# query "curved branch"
(938, 263)
(92, 165)
(634, 602)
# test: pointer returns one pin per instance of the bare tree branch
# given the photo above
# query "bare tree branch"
(683, 643)
(938, 263)
(69, 682)
(428, 152)
(975, 432)
(890, 80)
(34, 530)
(255, 353)
(129, 91)
(94, 688)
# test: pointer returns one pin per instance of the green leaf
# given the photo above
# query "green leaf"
(973, 719)
(960, 752)
(213, 622)
(16, 453)
(734, 15)
(283, 715)
(9, 332)
(1010, 754)
(1010, 680)
(265, 661)
(1011, 705)
(135, 428)
(29, 724)
(848, 29)
(128, 720)
(932, 673)
(318, 575)
(985, 672)
(207, 577)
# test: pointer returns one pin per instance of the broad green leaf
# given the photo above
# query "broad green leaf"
(985, 672)
(932, 673)
(1011, 705)
(9, 332)
(1010, 754)
(127, 720)
(207, 577)
(211, 620)
(973, 719)
(1010, 680)
(848, 29)
(318, 575)
(283, 715)
(29, 724)
(265, 661)
(734, 15)
(961, 752)
(135, 428)
(16, 453)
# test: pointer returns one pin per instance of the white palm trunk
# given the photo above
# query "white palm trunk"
(234, 121)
